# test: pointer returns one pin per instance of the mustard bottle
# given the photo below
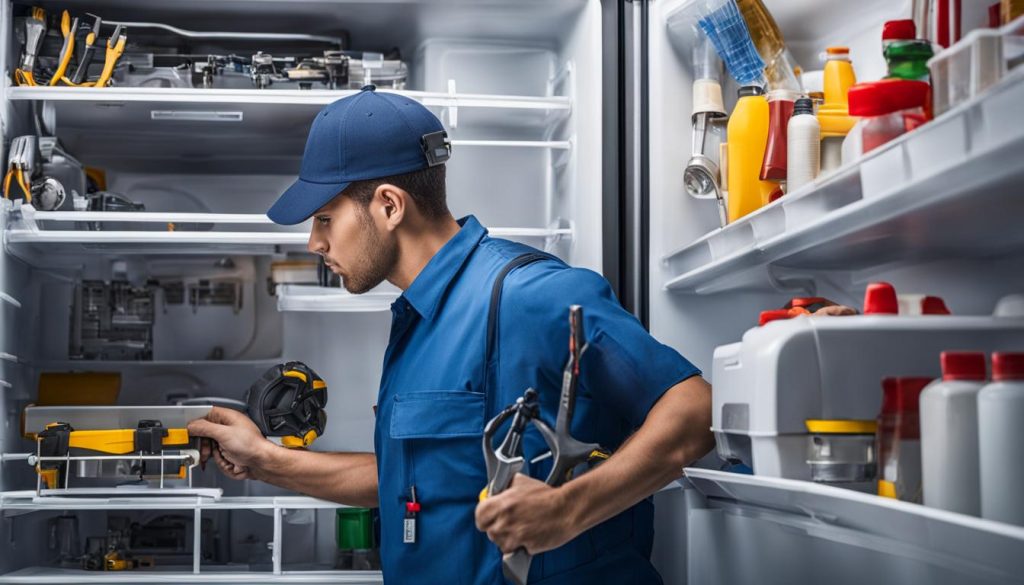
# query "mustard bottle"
(834, 114)
(747, 134)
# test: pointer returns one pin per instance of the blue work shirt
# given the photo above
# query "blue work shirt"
(436, 395)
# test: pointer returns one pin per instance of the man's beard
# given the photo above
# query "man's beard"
(373, 265)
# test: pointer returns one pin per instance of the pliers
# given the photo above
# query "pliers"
(567, 453)
(69, 29)
(82, 72)
(115, 48)
(35, 31)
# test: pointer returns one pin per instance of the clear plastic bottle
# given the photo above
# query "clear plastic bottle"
(949, 434)
(803, 144)
(1001, 440)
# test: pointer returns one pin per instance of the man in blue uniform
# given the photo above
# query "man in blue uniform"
(461, 349)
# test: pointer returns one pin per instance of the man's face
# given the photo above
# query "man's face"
(352, 245)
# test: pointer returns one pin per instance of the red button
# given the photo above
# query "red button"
(412, 507)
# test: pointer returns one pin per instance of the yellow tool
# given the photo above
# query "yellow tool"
(58, 438)
(35, 31)
(68, 28)
(115, 48)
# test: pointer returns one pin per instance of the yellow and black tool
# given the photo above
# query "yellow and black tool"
(69, 29)
(59, 438)
(115, 48)
(288, 401)
(89, 49)
(35, 31)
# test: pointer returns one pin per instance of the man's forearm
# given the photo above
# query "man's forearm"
(676, 432)
(346, 478)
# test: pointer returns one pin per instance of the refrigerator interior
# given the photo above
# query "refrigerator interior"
(517, 85)
(944, 235)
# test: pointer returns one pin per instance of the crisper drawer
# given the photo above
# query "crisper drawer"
(769, 530)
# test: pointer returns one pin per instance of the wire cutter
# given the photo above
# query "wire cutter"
(115, 48)
(566, 452)
(82, 72)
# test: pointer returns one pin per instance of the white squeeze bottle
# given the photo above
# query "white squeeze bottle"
(803, 145)
(1001, 440)
(949, 434)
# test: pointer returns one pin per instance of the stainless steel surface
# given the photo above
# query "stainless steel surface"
(111, 417)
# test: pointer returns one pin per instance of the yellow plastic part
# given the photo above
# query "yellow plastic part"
(49, 477)
(483, 494)
(293, 442)
(842, 427)
(319, 384)
(119, 441)
(295, 374)
(886, 489)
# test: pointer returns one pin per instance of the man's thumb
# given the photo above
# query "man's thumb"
(204, 428)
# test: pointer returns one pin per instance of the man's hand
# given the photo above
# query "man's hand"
(233, 440)
(529, 514)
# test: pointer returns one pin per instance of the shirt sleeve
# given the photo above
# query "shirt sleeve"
(624, 368)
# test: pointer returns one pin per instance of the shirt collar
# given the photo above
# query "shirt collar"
(430, 285)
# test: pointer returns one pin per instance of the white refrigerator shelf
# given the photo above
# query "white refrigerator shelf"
(212, 574)
(929, 536)
(948, 189)
(29, 238)
(310, 298)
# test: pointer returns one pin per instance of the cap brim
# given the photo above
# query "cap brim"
(301, 200)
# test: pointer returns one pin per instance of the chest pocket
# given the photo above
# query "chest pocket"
(441, 435)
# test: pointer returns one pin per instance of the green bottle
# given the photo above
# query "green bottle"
(908, 59)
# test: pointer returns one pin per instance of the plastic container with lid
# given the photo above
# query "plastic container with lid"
(841, 451)
(888, 108)
(1001, 440)
(834, 115)
(906, 55)
(900, 475)
(803, 146)
(949, 434)
(747, 133)
(780, 108)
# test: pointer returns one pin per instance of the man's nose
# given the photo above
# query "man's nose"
(316, 244)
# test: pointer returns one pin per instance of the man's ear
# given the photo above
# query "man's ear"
(393, 203)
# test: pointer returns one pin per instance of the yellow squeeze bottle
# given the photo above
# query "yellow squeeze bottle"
(746, 136)
(834, 114)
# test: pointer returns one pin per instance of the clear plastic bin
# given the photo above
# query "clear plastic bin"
(975, 63)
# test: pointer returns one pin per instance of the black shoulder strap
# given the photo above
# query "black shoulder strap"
(492, 313)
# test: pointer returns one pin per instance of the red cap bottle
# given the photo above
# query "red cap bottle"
(962, 365)
(899, 30)
(880, 299)
(1007, 366)
(908, 393)
(934, 306)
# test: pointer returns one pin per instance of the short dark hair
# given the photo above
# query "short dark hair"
(426, 186)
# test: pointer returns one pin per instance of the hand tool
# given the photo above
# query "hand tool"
(35, 31)
(69, 29)
(58, 438)
(287, 401)
(567, 453)
(115, 48)
(82, 72)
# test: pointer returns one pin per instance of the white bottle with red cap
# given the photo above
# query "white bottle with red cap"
(949, 434)
(1001, 440)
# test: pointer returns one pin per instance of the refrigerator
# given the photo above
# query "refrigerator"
(570, 124)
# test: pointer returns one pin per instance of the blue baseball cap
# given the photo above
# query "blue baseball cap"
(365, 136)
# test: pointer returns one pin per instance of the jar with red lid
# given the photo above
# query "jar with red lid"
(888, 108)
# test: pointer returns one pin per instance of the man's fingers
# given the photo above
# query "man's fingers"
(226, 416)
(205, 428)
